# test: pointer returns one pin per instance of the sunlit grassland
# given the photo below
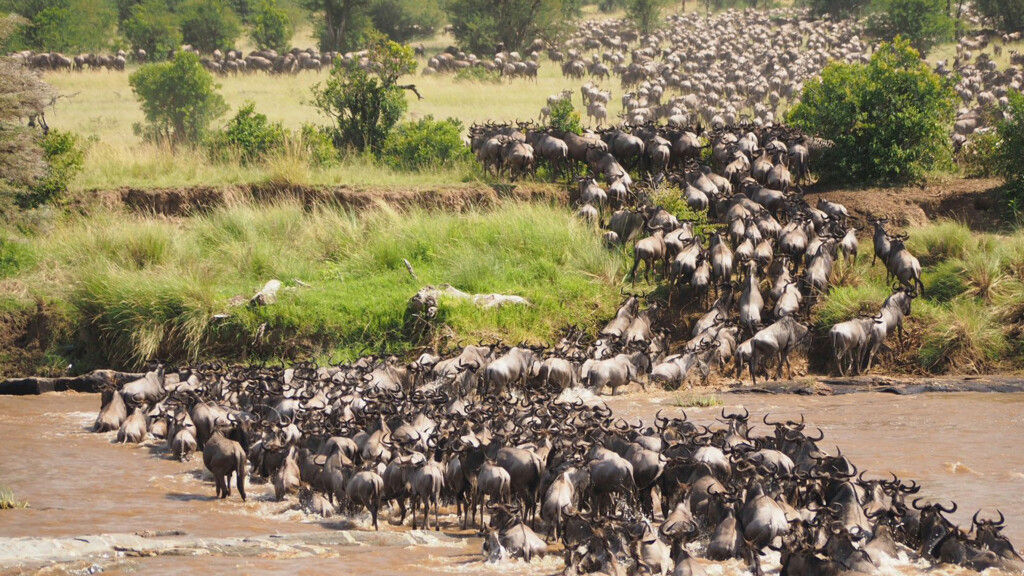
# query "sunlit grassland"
(139, 287)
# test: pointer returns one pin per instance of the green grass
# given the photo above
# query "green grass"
(142, 288)
(971, 317)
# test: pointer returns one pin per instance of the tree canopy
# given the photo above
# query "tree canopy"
(23, 95)
(924, 23)
(480, 25)
(889, 119)
(179, 99)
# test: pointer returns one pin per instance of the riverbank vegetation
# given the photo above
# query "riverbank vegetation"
(135, 288)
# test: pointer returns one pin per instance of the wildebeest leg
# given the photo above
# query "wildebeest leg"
(437, 524)
(240, 472)
(415, 503)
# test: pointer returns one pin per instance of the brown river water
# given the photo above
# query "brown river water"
(965, 447)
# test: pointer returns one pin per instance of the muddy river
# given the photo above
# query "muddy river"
(961, 446)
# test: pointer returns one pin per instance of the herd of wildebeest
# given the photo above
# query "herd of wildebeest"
(500, 431)
(526, 463)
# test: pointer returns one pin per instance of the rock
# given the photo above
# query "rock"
(267, 295)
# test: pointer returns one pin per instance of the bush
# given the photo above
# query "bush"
(65, 158)
(250, 134)
(405, 20)
(317, 143)
(889, 119)
(645, 14)
(979, 156)
(153, 28)
(924, 22)
(271, 28)
(1010, 149)
(835, 8)
(62, 25)
(565, 118)
(426, 143)
(179, 99)
(365, 105)
(478, 74)
(1008, 15)
(209, 25)
(479, 25)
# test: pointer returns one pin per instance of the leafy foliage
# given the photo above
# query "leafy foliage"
(209, 25)
(366, 103)
(179, 99)
(251, 134)
(271, 27)
(150, 26)
(319, 146)
(480, 25)
(341, 25)
(835, 8)
(65, 158)
(426, 143)
(405, 20)
(645, 14)
(889, 119)
(1008, 14)
(924, 22)
(62, 25)
(565, 118)
(1010, 149)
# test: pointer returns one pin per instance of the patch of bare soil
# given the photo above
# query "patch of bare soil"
(974, 202)
(24, 339)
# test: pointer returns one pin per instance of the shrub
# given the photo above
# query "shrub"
(153, 28)
(979, 156)
(317, 143)
(645, 14)
(924, 22)
(1011, 146)
(179, 99)
(478, 74)
(480, 25)
(209, 25)
(426, 143)
(835, 8)
(565, 118)
(250, 134)
(672, 200)
(405, 20)
(889, 120)
(365, 105)
(271, 27)
(1007, 14)
(65, 158)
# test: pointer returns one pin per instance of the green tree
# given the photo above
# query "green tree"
(366, 103)
(62, 25)
(22, 95)
(250, 134)
(1008, 15)
(924, 22)
(405, 20)
(565, 118)
(271, 27)
(179, 99)
(645, 14)
(341, 25)
(480, 25)
(1010, 149)
(209, 24)
(153, 28)
(64, 158)
(889, 119)
(835, 8)
(426, 143)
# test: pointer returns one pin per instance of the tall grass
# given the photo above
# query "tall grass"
(152, 288)
(972, 315)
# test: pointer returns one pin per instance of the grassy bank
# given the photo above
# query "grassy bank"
(969, 320)
(139, 288)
